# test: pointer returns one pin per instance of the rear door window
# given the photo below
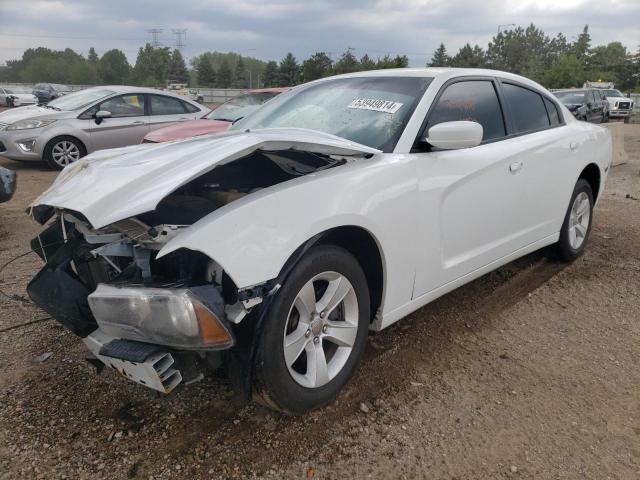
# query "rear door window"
(526, 107)
(474, 100)
(161, 105)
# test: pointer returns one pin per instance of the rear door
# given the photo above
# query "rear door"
(547, 152)
(164, 110)
(127, 125)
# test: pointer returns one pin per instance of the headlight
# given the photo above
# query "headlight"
(174, 317)
(28, 124)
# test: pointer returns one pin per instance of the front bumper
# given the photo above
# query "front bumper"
(23, 145)
(620, 113)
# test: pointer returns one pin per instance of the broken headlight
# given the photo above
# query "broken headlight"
(174, 317)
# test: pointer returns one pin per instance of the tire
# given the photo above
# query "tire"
(626, 119)
(576, 226)
(285, 381)
(9, 103)
(57, 160)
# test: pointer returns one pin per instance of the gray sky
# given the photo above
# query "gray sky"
(269, 29)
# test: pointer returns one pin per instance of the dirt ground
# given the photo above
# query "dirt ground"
(529, 372)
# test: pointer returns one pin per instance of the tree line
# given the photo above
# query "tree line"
(554, 62)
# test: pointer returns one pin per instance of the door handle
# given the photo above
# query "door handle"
(139, 122)
(515, 167)
(182, 119)
(573, 146)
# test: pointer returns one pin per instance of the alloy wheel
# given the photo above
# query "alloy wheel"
(579, 219)
(65, 152)
(321, 329)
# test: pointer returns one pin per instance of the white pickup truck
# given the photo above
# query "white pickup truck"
(619, 105)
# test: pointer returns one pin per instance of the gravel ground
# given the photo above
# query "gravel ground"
(528, 372)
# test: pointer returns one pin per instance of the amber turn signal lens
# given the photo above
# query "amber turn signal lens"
(212, 331)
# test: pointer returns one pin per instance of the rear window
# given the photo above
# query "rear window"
(527, 108)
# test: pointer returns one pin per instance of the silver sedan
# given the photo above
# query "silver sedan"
(72, 126)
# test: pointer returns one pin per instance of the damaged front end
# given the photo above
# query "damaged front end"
(161, 319)
(134, 312)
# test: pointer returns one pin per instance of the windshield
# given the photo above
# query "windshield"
(369, 110)
(612, 93)
(240, 106)
(569, 98)
(78, 100)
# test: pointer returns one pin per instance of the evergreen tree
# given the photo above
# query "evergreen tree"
(469, 57)
(288, 70)
(240, 76)
(93, 56)
(317, 66)
(224, 75)
(206, 72)
(348, 63)
(178, 68)
(366, 63)
(440, 57)
(582, 45)
(270, 75)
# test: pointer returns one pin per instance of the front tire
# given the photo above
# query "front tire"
(61, 151)
(314, 334)
(577, 223)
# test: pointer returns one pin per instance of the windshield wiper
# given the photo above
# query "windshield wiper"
(226, 120)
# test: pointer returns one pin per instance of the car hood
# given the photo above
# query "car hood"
(573, 106)
(189, 129)
(613, 100)
(112, 185)
(33, 111)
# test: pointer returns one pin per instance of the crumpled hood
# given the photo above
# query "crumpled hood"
(193, 128)
(111, 185)
(32, 111)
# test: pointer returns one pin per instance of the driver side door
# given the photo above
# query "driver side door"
(470, 200)
(127, 125)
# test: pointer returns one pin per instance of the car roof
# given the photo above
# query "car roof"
(571, 90)
(269, 90)
(127, 89)
(443, 72)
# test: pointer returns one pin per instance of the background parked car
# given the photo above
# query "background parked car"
(45, 92)
(619, 105)
(16, 97)
(7, 184)
(93, 119)
(217, 121)
(585, 103)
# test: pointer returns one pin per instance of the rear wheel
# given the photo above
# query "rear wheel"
(577, 223)
(61, 151)
(314, 334)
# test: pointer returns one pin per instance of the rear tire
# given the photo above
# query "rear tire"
(577, 223)
(62, 151)
(314, 336)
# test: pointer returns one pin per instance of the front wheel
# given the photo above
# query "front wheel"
(61, 151)
(315, 332)
(577, 223)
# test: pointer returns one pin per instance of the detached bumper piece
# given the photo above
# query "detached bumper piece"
(146, 364)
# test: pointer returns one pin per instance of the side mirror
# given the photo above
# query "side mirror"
(454, 135)
(101, 115)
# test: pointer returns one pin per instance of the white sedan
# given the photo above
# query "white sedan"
(16, 97)
(337, 208)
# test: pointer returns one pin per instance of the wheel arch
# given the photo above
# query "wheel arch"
(364, 247)
(591, 173)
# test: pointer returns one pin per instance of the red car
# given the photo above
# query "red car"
(217, 121)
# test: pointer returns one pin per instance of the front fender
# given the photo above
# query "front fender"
(252, 238)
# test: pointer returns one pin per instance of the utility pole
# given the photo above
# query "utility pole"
(181, 35)
(155, 35)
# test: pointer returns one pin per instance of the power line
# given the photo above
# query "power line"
(66, 37)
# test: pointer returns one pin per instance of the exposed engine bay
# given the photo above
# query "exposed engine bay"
(87, 268)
